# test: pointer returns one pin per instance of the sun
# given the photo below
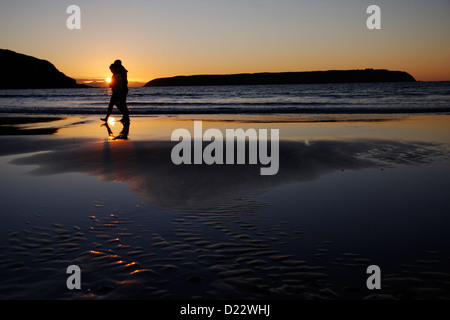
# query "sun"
(108, 80)
(111, 121)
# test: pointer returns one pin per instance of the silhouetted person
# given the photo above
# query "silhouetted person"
(119, 86)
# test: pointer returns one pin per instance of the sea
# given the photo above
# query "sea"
(361, 98)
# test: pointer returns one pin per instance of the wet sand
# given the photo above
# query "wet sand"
(350, 192)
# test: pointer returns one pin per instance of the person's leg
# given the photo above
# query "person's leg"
(110, 107)
(122, 105)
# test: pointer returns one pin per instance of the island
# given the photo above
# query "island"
(267, 78)
(20, 71)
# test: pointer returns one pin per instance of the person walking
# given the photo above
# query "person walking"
(119, 86)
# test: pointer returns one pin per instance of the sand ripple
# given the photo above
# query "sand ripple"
(212, 254)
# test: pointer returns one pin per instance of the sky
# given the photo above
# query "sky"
(185, 37)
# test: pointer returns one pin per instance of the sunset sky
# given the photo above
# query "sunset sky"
(184, 37)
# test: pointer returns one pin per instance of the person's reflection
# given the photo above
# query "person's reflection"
(123, 135)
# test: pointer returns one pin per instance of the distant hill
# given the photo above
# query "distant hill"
(20, 71)
(332, 76)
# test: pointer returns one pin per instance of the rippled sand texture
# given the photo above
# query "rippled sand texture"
(200, 255)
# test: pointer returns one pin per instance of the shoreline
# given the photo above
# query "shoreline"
(294, 127)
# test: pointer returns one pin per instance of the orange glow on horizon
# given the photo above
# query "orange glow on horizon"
(173, 38)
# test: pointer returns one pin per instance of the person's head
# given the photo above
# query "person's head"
(113, 68)
(119, 66)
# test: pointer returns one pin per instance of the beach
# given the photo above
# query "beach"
(352, 190)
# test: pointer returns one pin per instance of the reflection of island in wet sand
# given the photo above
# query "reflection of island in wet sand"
(147, 167)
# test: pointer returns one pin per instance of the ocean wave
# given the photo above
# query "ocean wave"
(227, 110)
(274, 99)
(224, 104)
